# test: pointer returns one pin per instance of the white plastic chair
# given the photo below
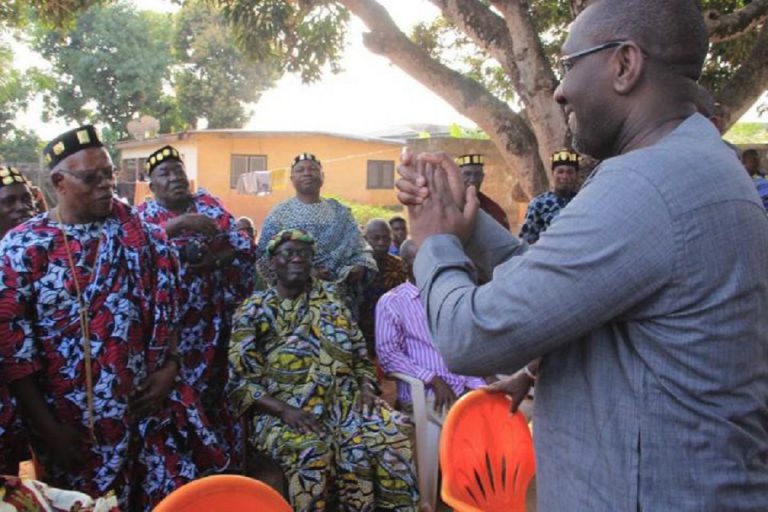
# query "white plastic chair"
(427, 440)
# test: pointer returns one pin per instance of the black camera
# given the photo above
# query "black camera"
(192, 253)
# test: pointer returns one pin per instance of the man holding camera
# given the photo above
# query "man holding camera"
(216, 268)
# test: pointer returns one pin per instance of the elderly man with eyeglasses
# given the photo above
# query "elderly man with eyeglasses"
(88, 319)
(647, 298)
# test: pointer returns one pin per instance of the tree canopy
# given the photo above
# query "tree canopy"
(493, 60)
(111, 63)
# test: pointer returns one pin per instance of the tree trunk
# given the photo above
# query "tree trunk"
(748, 83)
(508, 130)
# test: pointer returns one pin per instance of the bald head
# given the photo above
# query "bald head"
(408, 253)
(672, 32)
(408, 250)
(379, 236)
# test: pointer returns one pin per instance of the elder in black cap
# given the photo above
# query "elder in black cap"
(472, 169)
(16, 201)
(82, 174)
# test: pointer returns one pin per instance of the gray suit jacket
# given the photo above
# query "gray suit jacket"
(648, 297)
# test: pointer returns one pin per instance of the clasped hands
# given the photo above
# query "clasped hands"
(432, 188)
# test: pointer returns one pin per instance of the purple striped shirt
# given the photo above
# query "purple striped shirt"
(404, 344)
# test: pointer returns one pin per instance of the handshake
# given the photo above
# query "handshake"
(438, 202)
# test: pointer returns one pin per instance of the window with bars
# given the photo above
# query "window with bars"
(242, 164)
(381, 174)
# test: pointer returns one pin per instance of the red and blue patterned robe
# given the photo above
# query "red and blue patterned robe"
(209, 300)
(129, 280)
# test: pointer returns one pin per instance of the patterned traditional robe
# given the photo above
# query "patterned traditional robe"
(208, 300)
(307, 353)
(542, 210)
(338, 242)
(128, 278)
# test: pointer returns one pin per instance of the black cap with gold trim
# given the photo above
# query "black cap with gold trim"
(11, 176)
(470, 160)
(69, 143)
(565, 157)
(161, 155)
(305, 156)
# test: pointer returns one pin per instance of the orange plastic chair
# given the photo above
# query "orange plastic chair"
(486, 455)
(224, 492)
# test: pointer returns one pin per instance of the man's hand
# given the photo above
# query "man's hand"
(192, 222)
(444, 395)
(208, 263)
(413, 187)
(439, 212)
(66, 446)
(355, 275)
(366, 400)
(151, 393)
(301, 420)
(516, 387)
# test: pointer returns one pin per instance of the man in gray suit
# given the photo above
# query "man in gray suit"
(648, 299)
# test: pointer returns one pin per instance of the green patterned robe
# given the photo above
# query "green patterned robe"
(307, 353)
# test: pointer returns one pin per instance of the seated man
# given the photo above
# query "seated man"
(339, 254)
(301, 362)
(404, 345)
(391, 273)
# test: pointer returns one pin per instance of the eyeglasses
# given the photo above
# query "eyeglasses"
(93, 177)
(566, 61)
(288, 254)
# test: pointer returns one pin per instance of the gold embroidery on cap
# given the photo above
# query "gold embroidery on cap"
(83, 137)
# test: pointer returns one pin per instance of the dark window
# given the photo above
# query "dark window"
(381, 173)
(242, 164)
(132, 169)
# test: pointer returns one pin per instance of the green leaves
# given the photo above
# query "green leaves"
(303, 36)
(114, 64)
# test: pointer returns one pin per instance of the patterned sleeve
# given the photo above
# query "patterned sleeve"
(530, 230)
(18, 350)
(245, 357)
(240, 274)
(165, 296)
(362, 365)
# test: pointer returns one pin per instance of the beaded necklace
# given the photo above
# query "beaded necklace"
(84, 324)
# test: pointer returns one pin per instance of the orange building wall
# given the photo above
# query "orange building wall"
(344, 164)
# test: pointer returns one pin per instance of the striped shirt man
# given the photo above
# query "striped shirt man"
(404, 344)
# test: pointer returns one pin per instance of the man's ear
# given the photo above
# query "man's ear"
(629, 65)
(56, 179)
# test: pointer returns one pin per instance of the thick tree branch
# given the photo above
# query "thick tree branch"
(536, 75)
(748, 83)
(724, 27)
(487, 30)
(521, 58)
(577, 6)
(509, 131)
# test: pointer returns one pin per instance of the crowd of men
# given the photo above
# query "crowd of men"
(142, 348)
